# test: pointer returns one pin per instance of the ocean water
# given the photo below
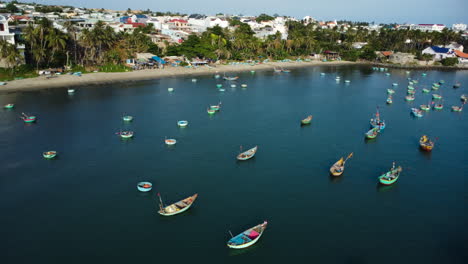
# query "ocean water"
(84, 207)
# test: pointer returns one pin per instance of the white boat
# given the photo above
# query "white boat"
(248, 237)
(244, 85)
(170, 89)
(178, 207)
(170, 141)
(194, 80)
(247, 154)
(182, 123)
(71, 91)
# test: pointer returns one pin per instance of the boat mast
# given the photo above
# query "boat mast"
(349, 156)
(160, 203)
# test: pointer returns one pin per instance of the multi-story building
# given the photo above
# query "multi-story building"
(459, 27)
(5, 31)
(428, 27)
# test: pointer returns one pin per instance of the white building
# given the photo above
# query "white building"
(455, 46)
(439, 53)
(428, 27)
(5, 31)
(459, 27)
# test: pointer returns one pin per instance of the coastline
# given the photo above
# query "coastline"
(63, 81)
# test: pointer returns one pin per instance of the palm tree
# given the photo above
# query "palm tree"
(56, 41)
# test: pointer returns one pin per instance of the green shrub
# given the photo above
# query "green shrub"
(449, 61)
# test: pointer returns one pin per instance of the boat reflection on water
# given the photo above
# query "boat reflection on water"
(385, 188)
(335, 179)
(237, 252)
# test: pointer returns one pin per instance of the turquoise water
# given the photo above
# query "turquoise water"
(84, 206)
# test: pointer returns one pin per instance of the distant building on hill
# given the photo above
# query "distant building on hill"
(428, 27)
(459, 27)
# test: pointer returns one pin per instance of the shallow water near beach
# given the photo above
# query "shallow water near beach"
(84, 207)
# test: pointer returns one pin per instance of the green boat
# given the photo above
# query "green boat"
(126, 134)
(409, 98)
(389, 100)
(127, 118)
(457, 108)
(219, 85)
(441, 82)
(390, 91)
(27, 118)
(436, 84)
(306, 121)
(49, 154)
(411, 91)
(437, 96)
(211, 111)
(435, 88)
(415, 81)
(425, 107)
(371, 134)
(424, 74)
(438, 106)
(8, 106)
(410, 87)
(425, 90)
(391, 176)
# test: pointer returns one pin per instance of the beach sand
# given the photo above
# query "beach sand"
(104, 78)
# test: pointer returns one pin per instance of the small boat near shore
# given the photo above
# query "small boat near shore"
(436, 96)
(338, 168)
(425, 107)
(247, 154)
(144, 186)
(27, 118)
(425, 90)
(248, 237)
(306, 121)
(9, 106)
(230, 78)
(176, 208)
(390, 91)
(457, 108)
(391, 176)
(457, 85)
(71, 91)
(49, 154)
(425, 143)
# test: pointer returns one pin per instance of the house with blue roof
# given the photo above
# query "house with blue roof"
(439, 53)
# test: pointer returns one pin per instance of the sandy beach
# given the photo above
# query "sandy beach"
(104, 78)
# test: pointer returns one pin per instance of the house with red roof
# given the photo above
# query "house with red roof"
(462, 57)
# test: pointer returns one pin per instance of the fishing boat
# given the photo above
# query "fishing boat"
(221, 89)
(125, 134)
(2, 83)
(194, 80)
(390, 91)
(49, 154)
(248, 237)
(425, 143)
(425, 107)
(423, 74)
(306, 121)
(285, 70)
(411, 92)
(376, 122)
(219, 85)
(27, 118)
(457, 108)
(338, 168)
(415, 81)
(394, 84)
(410, 87)
(337, 78)
(247, 154)
(9, 106)
(437, 96)
(244, 85)
(425, 90)
(441, 82)
(464, 97)
(409, 97)
(230, 78)
(215, 107)
(387, 74)
(371, 134)
(438, 106)
(182, 123)
(170, 141)
(457, 85)
(233, 86)
(252, 72)
(217, 76)
(391, 176)
(170, 89)
(144, 186)
(210, 111)
(71, 91)
(347, 81)
(277, 70)
(322, 74)
(416, 112)
(178, 207)
(436, 84)
(435, 88)
(389, 100)
(127, 118)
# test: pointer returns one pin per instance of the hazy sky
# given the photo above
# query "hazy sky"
(400, 11)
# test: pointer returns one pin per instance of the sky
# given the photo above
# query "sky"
(389, 11)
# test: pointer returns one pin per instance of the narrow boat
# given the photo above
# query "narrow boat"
(27, 118)
(435, 88)
(391, 176)
(437, 96)
(338, 168)
(125, 134)
(438, 106)
(71, 91)
(425, 90)
(425, 143)
(457, 108)
(425, 107)
(182, 123)
(376, 122)
(415, 81)
(390, 91)
(389, 100)
(144, 186)
(215, 107)
(176, 208)
(170, 89)
(416, 112)
(219, 85)
(9, 106)
(49, 154)
(464, 97)
(371, 134)
(244, 85)
(286, 70)
(248, 237)
(127, 118)
(306, 120)
(247, 154)
(170, 141)
(210, 111)
(457, 85)
(436, 84)
(231, 78)
(409, 97)
(395, 84)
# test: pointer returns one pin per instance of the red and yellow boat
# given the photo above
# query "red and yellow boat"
(425, 143)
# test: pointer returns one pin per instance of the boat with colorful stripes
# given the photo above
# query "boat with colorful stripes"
(248, 237)
(391, 176)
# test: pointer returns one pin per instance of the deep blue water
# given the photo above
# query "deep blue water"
(83, 207)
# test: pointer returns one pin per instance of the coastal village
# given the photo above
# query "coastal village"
(169, 29)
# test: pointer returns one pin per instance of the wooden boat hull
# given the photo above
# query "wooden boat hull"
(425, 90)
(371, 134)
(247, 154)
(306, 121)
(425, 107)
(385, 181)
(29, 119)
(438, 107)
(193, 198)
(49, 154)
(409, 98)
(338, 168)
(9, 106)
(253, 241)
(437, 97)
(456, 109)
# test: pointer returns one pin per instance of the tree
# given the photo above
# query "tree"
(11, 7)
(264, 17)
(449, 61)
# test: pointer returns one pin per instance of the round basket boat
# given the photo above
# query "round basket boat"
(49, 154)
(182, 123)
(170, 142)
(126, 134)
(144, 186)
(127, 118)
(8, 106)
(71, 91)
(233, 85)
(219, 85)
(170, 89)
(244, 85)
(194, 80)
(29, 119)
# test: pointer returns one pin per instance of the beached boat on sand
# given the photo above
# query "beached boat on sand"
(248, 237)
(178, 207)
(338, 168)
(247, 154)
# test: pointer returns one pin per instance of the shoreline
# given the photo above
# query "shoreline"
(67, 81)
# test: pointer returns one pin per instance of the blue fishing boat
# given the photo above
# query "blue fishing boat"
(248, 237)
(376, 122)
(391, 176)
(417, 112)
